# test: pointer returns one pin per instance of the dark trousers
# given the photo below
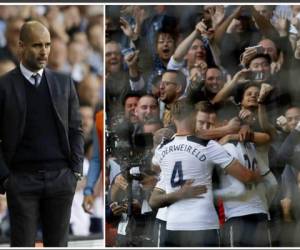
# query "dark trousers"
(40, 197)
(159, 233)
(247, 231)
(201, 238)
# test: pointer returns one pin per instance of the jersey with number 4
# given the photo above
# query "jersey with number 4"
(250, 202)
(184, 158)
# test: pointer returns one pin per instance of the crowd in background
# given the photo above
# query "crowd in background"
(76, 49)
(238, 63)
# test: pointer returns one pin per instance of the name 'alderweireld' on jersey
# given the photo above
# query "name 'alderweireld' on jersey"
(183, 148)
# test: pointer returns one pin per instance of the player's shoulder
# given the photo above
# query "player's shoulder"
(232, 145)
(165, 141)
(197, 140)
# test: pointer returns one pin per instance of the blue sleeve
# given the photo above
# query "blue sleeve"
(94, 169)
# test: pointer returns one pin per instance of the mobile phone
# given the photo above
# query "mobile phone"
(123, 202)
(259, 49)
(256, 76)
(127, 51)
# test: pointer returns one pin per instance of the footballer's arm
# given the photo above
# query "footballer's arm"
(238, 171)
(159, 198)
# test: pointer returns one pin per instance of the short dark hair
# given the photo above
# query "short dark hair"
(172, 34)
(266, 56)
(153, 120)
(156, 77)
(214, 67)
(131, 94)
(151, 96)
(180, 77)
(167, 24)
(181, 109)
(160, 134)
(205, 107)
(292, 107)
(238, 97)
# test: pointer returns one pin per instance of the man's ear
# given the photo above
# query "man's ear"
(179, 89)
(21, 44)
(135, 111)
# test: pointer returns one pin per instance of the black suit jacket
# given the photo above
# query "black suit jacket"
(13, 114)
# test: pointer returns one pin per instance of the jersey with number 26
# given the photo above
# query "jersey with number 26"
(188, 157)
(251, 201)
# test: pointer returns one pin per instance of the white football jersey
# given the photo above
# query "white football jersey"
(250, 202)
(188, 157)
(162, 212)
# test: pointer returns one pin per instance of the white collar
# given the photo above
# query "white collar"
(28, 73)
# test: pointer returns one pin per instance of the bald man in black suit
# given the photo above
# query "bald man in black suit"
(41, 152)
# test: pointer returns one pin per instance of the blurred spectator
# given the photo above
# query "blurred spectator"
(87, 116)
(130, 103)
(10, 51)
(146, 108)
(76, 57)
(94, 32)
(6, 65)
(89, 90)
(58, 55)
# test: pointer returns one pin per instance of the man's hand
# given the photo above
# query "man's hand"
(233, 125)
(204, 31)
(217, 15)
(286, 205)
(118, 209)
(265, 90)
(245, 133)
(227, 138)
(256, 176)
(132, 58)
(198, 73)
(196, 78)
(121, 182)
(201, 28)
(127, 29)
(241, 76)
(281, 121)
(275, 67)
(281, 24)
(188, 191)
(149, 181)
(247, 55)
(247, 116)
(88, 203)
